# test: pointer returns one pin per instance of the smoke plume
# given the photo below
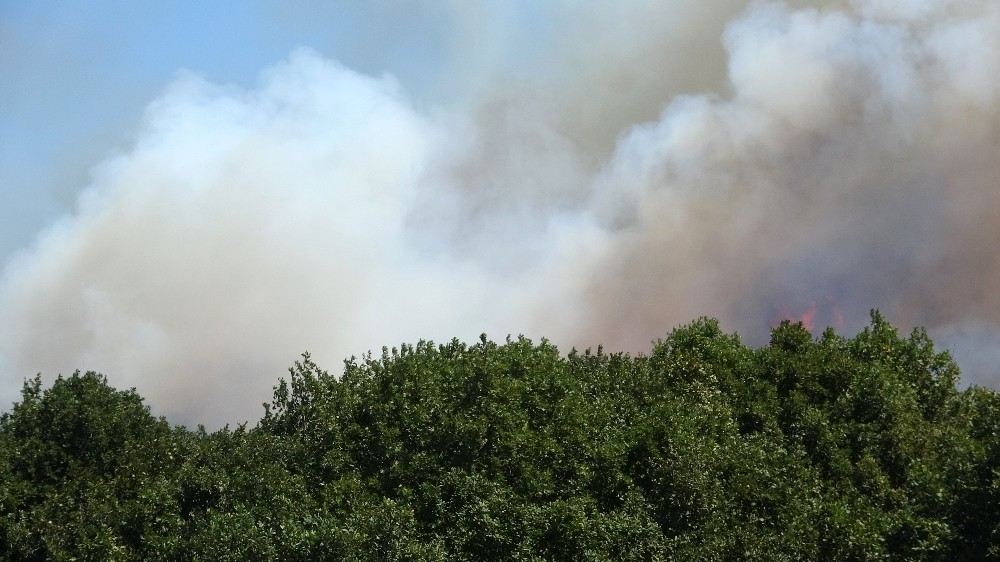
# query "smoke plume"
(663, 162)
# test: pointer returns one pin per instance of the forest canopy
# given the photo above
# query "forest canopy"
(823, 447)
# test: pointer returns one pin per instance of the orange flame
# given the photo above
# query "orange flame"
(808, 318)
(828, 313)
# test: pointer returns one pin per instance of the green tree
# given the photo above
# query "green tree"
(826, 448)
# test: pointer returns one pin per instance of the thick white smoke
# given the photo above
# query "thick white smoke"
(742, 163)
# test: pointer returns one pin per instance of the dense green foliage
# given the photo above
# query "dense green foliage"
(706, 449)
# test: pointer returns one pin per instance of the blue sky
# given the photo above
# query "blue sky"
(77, 75)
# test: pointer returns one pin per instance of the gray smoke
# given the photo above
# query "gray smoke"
(660, 162)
